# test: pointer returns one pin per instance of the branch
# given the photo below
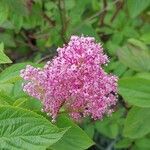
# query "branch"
(49, 20)
(103, 14)
(28, 41)
(62, 12)
(119, 6)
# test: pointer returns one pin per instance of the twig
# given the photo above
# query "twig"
(119, 6)
(40, 36)
(62, 12)
(103, 14)
(48, 19)
(29, 42)
(42, 59)
(29, 4)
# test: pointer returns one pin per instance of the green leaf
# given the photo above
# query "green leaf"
(69, 4)
(135, 7)
(12, 73)
(87, 29)
(124, 143)
(17, 90)
(22, 129)
(6, 87)
(17, 21)
(18, 7)
(3, 58)
(5, 98)
(146, 37)
(74, 139)
(89, 129)
(137, 123)
(3, 12)
(137, 44)
(143, 143)
(135, 90)
(145, 75)
(35, 18)
(7, 39)
(76, 13)
(135, 55)
(109, 127)
(7, 25)
(28, 103)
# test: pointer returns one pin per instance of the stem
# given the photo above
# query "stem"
(103, 14)
(28, 41)
(62, 12)
(43, 58)
(119, 6)
(47, 18)
(51, 22)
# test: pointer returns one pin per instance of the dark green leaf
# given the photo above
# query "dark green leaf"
(143, 143)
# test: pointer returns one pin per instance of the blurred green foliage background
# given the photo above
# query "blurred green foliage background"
(31, 30)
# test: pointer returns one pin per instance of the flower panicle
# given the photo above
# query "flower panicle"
(74, 80)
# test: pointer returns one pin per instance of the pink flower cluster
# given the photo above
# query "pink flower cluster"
(74, 81)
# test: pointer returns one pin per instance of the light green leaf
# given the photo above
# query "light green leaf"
(3, 58)
(144, 75)
(135, 7)
(137, 44)
(6, 87)
(135, 55)
(137, 123)
(22, 129)
(146, 37)
(135, 90)
(5, 98)
(3, 12)
(28, 103)
(74, 139)
(17, 90)
(12, 73)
